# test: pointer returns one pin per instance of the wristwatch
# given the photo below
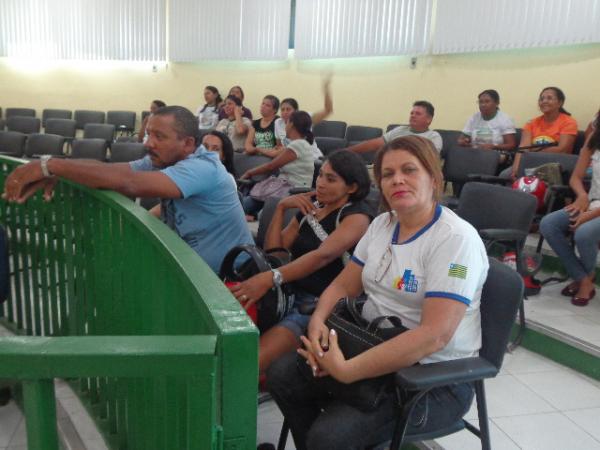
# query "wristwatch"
(44, 165)
(277, 277)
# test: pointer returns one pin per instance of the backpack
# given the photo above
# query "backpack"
(278, 301)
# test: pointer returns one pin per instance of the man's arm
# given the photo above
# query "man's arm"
(368, 146)
(23, 182)
(117, 177)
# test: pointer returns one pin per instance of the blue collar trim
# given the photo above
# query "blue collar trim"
(436, 216)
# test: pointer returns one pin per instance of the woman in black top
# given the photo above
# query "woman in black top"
(342, 184)
(261, 137)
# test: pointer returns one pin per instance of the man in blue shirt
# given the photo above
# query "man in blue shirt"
(199, 200)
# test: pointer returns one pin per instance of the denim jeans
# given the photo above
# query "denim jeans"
(252, 206)
(318, 422)
(555, 227)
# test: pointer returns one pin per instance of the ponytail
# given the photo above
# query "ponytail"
(310, 137)
(564, 111)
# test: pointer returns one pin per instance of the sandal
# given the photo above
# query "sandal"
(570, 289)
(583, 301)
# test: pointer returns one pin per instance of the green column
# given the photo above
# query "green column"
(40, 413)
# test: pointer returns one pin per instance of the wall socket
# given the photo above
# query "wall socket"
(413, 62)
(154, 68)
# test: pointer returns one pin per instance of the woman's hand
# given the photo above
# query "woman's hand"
(253, 289)
(301, 201)
(582, 218)
(246, 175)
(331, 362)
(238, 112)
(251, 151)
(579, 206)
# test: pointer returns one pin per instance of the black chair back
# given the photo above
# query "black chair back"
(579, 142)
(359, 133)
(243, 162)
(55, 114)
(535, 159)
(266, 215)
(502, 294)
(126, 151)
(23, 112)
(2, 124)
(464, 161)
(99, 131)
(330, 144)
(83, 117)
(62, 127)
(23, 124)
(122, 120)
(12, 143)
(145, 114)
(44, 144)
(449, 140)
(330, 128)
(92, 148)
(491, 206)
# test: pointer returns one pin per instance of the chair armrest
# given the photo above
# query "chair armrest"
(561, 189)
(492, 179)
(428, 376)
(300, 190)
(498, 234)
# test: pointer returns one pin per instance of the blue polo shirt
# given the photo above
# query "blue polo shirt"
(209, 216)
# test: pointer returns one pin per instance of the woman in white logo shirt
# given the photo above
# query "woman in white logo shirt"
(420, 262)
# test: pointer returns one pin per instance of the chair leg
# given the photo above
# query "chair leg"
(406, 409)
(283, 435)
(521, 333)
(483, 416)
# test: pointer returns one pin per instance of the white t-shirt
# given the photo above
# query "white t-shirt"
(299, 172)
(280, 134)
(404, 130)
(228, 127)
(445, 259)
(207, 119)
(490, 131)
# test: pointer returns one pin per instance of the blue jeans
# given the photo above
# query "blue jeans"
(555, 228)
(295, 321)
(251, 206)
(318, 422)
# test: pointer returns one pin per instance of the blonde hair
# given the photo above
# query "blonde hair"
(424, 151)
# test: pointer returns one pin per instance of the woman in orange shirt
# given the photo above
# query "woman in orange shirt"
(555, 125)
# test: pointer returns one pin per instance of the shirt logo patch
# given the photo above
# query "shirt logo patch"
(457, 271)
(407, 282)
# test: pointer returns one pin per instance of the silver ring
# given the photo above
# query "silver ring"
(244, 297)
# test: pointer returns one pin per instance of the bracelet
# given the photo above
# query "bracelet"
(44, 165)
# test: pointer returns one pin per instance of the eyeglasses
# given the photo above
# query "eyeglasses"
(384, 264)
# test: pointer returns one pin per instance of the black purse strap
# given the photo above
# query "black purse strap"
(228, 271)
(374, 325)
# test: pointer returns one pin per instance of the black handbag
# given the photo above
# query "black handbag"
(356, 335)
(278, 301)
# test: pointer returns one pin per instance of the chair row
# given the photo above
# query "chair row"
(62, 127)
(122, 120)
(19, 145)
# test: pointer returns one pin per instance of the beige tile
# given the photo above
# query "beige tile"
(10, 418)
(465, 440)
(588, 419)
(550, 431)
(564, 389)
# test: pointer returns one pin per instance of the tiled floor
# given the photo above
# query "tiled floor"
(533, 404)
